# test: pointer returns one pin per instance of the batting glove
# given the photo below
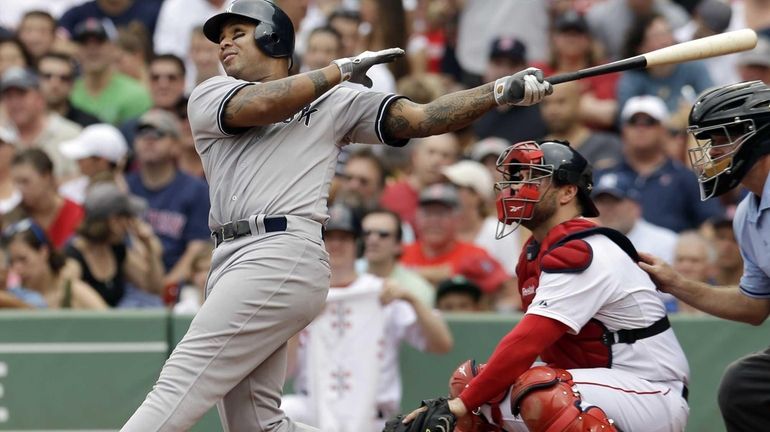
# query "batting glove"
(354, 69)
(524, 88)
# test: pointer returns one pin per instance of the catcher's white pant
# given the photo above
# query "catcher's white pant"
(632, 403)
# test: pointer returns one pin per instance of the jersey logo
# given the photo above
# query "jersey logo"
(306, 113)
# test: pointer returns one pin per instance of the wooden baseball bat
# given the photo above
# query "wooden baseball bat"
(710, 46)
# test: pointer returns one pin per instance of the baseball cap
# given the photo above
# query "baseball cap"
(653, 106)
(102, 29)
(714, 14)
(488, 146)
(161, 120)
(458, 284)
(471, 174)
(101, 140)
(616, 184)
(19, 78)
(440, 193)
(571, 21)
(509, 48)
(105, 199)
(341, 218)
(759, 56)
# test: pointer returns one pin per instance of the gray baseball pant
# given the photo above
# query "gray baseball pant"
(262, 290)
(744, 393)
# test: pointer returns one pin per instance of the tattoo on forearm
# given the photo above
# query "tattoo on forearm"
(275, 90)
(320, 83)
(447, 113)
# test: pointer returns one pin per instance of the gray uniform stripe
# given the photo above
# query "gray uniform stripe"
(221, 110)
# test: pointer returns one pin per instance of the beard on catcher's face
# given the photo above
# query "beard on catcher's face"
(544, 209)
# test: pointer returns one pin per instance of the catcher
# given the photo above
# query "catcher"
(611, 359)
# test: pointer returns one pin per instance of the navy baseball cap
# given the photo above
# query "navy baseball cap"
(616, 184)
(101, 29)
(440, 193)
(508, 48)
(19, 78)
(341, 218)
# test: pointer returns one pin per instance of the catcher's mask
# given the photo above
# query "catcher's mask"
(731, 126)
(529, 168)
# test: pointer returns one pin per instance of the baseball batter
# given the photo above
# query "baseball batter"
(612, 361)
(269, 144)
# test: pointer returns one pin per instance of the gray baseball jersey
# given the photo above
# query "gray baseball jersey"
(284, 168)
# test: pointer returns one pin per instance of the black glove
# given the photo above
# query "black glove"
(436, 418)
(354, 69)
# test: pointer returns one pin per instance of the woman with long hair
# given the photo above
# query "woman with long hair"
(41, 268)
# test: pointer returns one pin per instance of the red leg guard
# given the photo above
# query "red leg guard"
(544, 398)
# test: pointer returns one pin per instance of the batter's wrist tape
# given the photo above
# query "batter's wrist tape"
(500, 91)
(346, 68)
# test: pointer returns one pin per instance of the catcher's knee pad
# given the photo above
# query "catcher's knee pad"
(544, 398)
(473, 422)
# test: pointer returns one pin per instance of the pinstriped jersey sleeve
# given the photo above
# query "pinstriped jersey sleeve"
(206, 107)
(361, 115)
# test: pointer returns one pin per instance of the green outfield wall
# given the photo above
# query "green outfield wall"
(68, 371)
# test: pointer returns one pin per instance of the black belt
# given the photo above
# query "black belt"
(630, 336)
(685, 393)
(242, 228)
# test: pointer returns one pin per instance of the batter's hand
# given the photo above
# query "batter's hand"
(523, 88)
(665, 277)
(354, 69)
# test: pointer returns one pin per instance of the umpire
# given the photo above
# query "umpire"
(269, 144)
(732, 127)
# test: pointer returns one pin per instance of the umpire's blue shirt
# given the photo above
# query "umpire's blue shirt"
(670, 196)
(752, 230)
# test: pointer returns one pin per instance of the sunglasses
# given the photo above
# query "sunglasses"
(382, 234)
(642, 121)
(150, 133)
(61, 77)
(170, 77)
(23, 226)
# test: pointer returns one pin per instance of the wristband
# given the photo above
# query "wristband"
(346, 68)
(499, 90)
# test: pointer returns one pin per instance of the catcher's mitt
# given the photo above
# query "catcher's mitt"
(436, 418)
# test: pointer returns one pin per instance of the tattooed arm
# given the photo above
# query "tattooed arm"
(406, 119)
(275, 101)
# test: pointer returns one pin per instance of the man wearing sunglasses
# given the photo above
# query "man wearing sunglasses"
(667, 189)
(57, 75)
(732, 127)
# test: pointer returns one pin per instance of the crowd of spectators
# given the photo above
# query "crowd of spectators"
(103, 200)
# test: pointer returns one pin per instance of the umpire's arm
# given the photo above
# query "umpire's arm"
(405, 119)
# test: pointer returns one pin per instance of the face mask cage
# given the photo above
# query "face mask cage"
(715, 149)
(524, 174)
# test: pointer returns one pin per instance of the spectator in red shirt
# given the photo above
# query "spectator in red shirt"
(439, 254)
(429, 156)
(32, 173)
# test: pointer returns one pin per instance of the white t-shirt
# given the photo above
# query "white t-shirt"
(615, 291)
(506, 250)
(653, 239)
(400, 325)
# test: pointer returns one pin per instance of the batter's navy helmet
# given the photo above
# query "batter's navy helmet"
(274, 33)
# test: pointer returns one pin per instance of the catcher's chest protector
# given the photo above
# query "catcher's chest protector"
(563, 250)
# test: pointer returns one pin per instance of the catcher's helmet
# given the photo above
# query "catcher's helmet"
(731, 125)
(274, 33)
(524, 165)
